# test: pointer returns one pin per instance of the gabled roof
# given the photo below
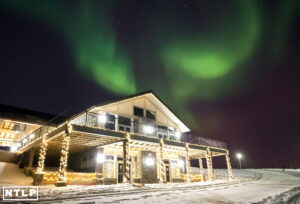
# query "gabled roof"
(156, 101)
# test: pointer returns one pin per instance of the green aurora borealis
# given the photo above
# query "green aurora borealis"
(189, 60)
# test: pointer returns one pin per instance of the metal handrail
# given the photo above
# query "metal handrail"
(90, 119)
(203, 141)
(38, 133)
(151, 129)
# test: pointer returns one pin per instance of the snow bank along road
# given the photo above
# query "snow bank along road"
(249, 186)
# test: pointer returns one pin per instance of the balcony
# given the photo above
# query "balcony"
(203, 141)
(142, 126)
(32, 137)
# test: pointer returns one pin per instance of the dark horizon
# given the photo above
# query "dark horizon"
(59, 55)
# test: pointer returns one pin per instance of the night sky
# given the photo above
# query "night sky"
(228, 69)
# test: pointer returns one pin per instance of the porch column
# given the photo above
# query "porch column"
(201, 169)
(162, 177)
(64, 158)
(126, 162)
(21, 161)
(31, 156)
(187, 163)
(28, 168)
(99, 166)
(228, 165)
(132, 167)
(210, 170)
(39, 175)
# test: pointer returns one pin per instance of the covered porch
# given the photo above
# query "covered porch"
(86, 155)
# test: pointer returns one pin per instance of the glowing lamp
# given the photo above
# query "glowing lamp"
(25, 140)
(177, 134)
(13, 148)
(102, 119)
(181, 163)
(31, 136)
(18, 145)
(148, 129)
(100, 158)
(149, 161)
(239, 155)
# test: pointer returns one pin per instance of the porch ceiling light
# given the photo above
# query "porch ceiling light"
(31, 136)
(148, 129)
(100, 158)
(149, 161)
(102, 119)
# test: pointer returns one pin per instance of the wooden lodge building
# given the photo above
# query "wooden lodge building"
(136, 139)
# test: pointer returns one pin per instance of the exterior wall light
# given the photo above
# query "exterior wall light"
(31, 136)
(100, 158)
(181, 163)
(149, 161)
(102, 119)
(148, 129)
(178, 134)
(13, 148)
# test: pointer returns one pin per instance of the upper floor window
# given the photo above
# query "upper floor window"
(138, 111)
(124, 121)
(150, 114)
(124, 124)
(110, 122)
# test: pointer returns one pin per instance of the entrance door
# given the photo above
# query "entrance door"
(168, 173)
(120, 173)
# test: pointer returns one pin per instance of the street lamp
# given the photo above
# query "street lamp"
(239, 157)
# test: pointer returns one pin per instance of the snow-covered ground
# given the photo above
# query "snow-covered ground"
(249, 186)
(10, 174)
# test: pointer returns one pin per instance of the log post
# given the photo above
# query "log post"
(99, 166)
(126, 156)
(28, 168)
(31, 156)
(228, 165)
(201, 169)
(187, 163)
(64, 158)
(39, 175)
(162, 178)
(210, 170)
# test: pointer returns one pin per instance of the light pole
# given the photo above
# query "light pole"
(239, 156)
